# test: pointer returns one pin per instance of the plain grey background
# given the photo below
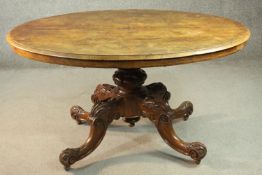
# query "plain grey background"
(35, 98)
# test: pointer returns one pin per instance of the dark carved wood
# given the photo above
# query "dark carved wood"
(131, 100)
(102, 115)
(129, 79)
(183, 111)
(161, 115)
(131, 121)
(80, 115)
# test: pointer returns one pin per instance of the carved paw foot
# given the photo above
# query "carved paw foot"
(197, 151)
(69, 156)
(184, 110)
(79, 114)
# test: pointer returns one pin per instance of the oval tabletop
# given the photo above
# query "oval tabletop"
(128, 38)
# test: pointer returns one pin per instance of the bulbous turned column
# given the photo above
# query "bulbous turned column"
(129, 79)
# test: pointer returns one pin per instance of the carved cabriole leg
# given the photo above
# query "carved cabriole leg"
(102, 114)
(161, 115)
(70, 155)
(156, 108)
(98, 128)
(195, 150)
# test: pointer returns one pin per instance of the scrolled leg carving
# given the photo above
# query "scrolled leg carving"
(69, 156)
(161, 115)
(197, 151)
(183, 111)
(102, 115)
(97, 131)
(80, 115)
(158, 91)
(104, 92)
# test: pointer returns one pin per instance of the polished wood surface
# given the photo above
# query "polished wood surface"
(128, 38)
(131, 100)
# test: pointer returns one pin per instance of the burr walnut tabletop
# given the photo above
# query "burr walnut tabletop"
(128, 38)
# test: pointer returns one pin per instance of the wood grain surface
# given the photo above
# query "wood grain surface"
(128, 38)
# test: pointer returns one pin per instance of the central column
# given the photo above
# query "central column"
(130, 82)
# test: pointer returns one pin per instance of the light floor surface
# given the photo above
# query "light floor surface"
(35, 125)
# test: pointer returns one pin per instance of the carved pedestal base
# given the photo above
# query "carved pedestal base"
(131, 100)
